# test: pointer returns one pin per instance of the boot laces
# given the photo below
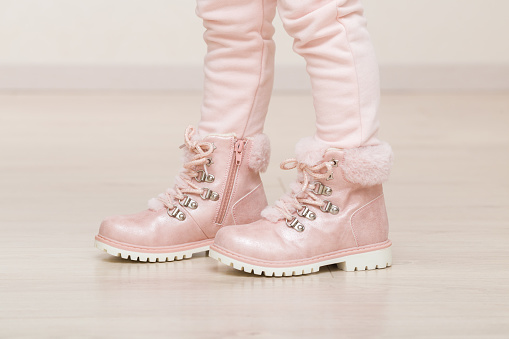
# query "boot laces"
(301, 192)
(200, 152)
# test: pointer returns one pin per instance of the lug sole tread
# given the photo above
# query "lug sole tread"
(367, 261)
(148, 257)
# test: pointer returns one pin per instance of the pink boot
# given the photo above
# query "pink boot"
(334, 214)
(218, 185)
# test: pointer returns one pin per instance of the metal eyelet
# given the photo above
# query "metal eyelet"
(306, 213)
(295, 224)
(176, 213)
(188, 202)
(208, 194)
(321, 189)
(202, 176)
(335, 163)
(209, 162)
(329, 207)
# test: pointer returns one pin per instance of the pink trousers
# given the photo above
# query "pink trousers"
(332, 37)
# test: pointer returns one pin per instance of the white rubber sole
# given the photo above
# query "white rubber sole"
(148, 257)
(356, 262)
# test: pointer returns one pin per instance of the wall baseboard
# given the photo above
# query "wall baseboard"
(288, 78)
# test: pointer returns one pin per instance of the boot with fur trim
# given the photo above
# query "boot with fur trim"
(334, 214)
(218, 185)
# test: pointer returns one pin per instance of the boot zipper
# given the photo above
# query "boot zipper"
(230, 181)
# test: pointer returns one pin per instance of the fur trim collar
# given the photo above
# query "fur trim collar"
(368, 165)
(260, 153)
(310, 151)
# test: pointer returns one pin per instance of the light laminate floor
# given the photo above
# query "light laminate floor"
(68, 160)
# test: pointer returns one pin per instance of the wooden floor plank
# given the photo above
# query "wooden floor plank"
(69, 160)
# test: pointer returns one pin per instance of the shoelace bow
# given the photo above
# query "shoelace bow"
(183, 181)
(300, 195)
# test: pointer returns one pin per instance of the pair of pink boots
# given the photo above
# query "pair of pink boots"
(333, 214)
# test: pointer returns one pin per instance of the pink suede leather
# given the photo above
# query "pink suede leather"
(222, 159)
(155, 228)
(370, 223)
(248, 208)
(245, 203)
(151, 229)
(361, 221)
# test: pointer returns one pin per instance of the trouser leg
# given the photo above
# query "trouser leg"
(239, 65)
(332, 37)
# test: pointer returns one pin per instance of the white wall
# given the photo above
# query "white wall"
(416, 34)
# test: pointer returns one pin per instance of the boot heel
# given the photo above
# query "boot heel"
(367, 261)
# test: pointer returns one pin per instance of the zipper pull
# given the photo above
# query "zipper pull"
(239, 147)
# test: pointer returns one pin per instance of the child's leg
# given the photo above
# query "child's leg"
(334, 212)
(219, 183)
(332, 37)
(239, 65)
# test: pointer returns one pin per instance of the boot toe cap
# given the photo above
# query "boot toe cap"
(258, 240)
(129, 229)
(115, 228)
